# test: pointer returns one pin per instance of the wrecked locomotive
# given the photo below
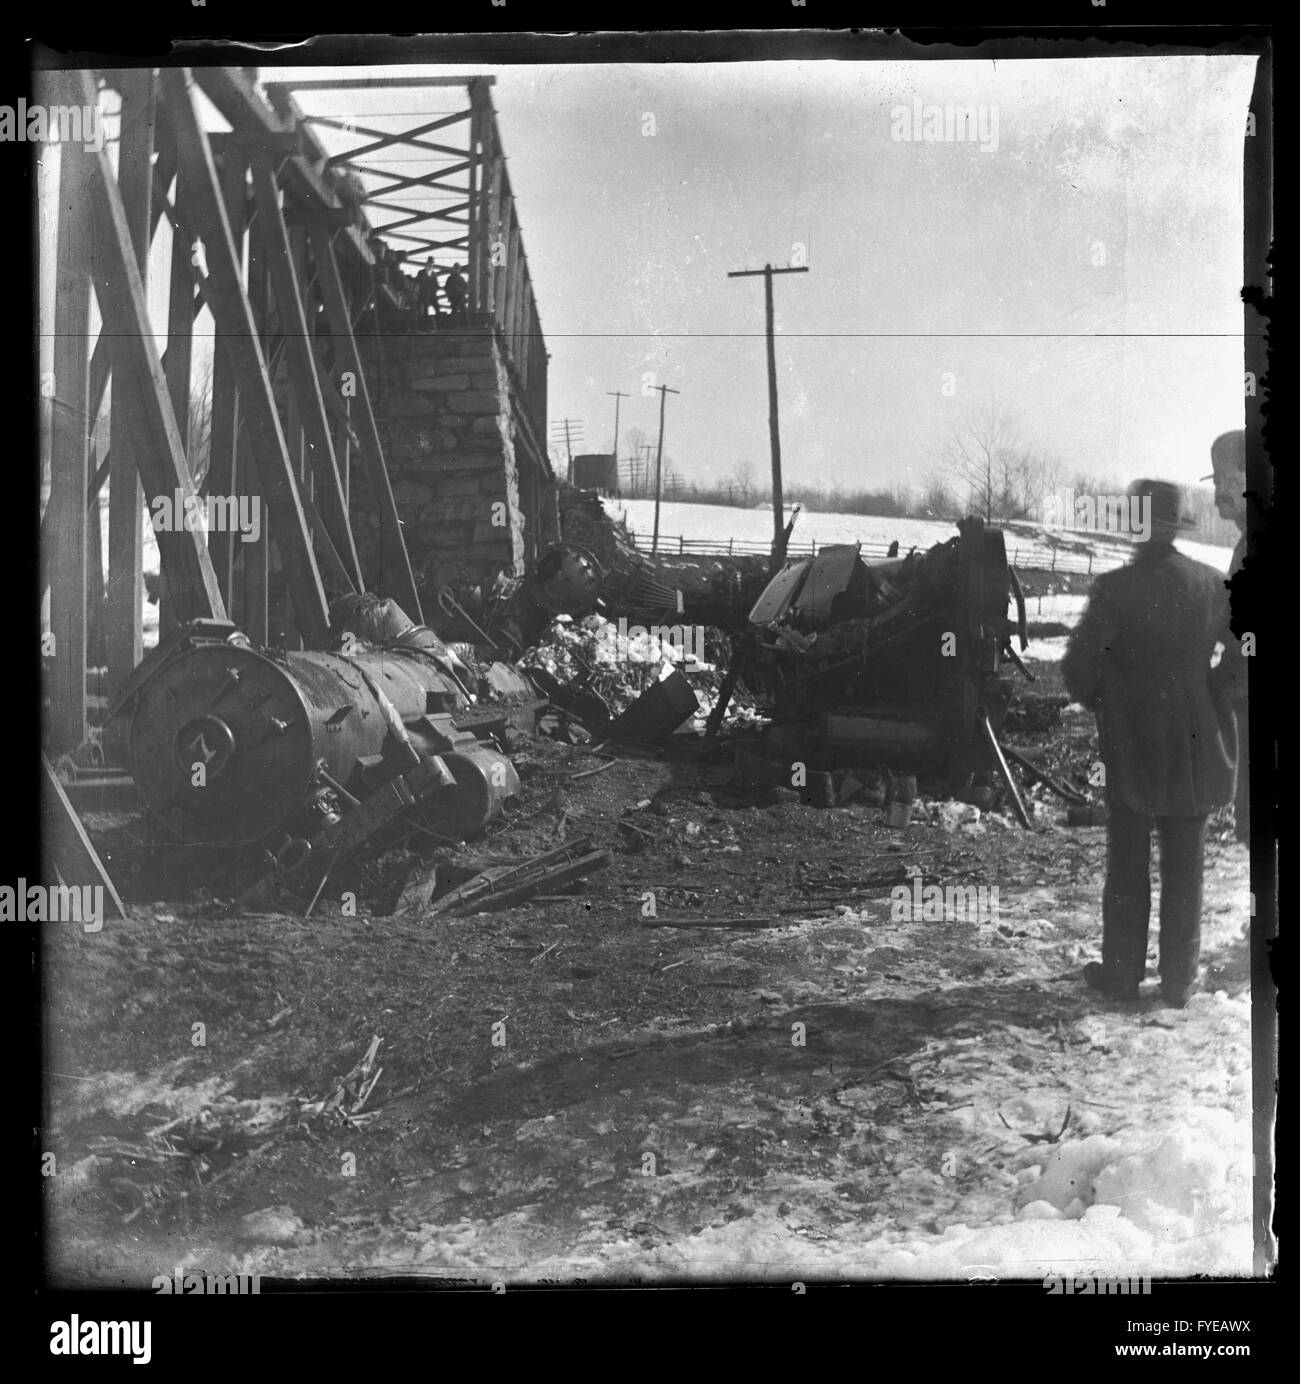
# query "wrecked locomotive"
(899, 661)
(314, 752)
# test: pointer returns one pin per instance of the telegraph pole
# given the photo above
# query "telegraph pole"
(643, 477)
(778, 500)
(566, 424)
(664, 392)
(617, 396)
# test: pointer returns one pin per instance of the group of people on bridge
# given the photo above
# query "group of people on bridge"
(424, 302)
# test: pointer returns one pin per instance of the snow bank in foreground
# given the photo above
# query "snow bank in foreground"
(1165, 1193)
(1170, 1204)
(1101, 1244)
(1175, 1201)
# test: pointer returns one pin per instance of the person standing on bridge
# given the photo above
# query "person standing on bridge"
(1141, 659)
(426, 287)
(457, 292)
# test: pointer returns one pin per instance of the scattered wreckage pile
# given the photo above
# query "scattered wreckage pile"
(894, 663)
(846, 678)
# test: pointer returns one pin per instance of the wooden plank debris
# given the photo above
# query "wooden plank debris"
(70, 850)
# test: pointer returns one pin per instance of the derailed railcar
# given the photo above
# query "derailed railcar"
(894, 662)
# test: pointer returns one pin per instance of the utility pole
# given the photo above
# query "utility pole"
(617, 396)
(664, 392)
(646, 449)
(572, 427)
(778, 501)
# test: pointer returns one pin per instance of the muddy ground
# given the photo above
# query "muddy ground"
(569, 1093)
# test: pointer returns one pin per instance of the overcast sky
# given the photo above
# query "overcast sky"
(931, 263)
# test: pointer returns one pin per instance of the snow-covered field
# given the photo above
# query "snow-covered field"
(1027, 544)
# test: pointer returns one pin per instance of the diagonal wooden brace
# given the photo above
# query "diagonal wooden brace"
(161, 455)
(395, 576)
(234, 322)
(302, 368)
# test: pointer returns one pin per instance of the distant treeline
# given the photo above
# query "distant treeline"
(937, 502)
(892, 504)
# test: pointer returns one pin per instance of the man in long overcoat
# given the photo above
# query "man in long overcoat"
(1228, 458)
(1141, 659)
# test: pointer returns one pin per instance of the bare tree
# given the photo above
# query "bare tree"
(980, 457)
(1002, 476)
(937, 501)
(742, 478)
(632, 444)
(1029, 477)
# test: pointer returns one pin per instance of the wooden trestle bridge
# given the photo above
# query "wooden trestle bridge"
(271, 234)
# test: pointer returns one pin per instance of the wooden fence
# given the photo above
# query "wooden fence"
(1027, 558)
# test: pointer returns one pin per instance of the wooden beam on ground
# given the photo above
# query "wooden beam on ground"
(125, 498)
(301, 364)
(69, 853)
(235, 324)
(159, 453)
(65, 557)
(395, 577)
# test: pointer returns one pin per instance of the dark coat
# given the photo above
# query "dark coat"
(1233, 671)
(1140, 658)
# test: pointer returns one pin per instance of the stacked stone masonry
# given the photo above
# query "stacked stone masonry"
(444, 406)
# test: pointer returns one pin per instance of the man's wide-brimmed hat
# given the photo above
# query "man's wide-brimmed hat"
(1167, 512)
(1228, 451)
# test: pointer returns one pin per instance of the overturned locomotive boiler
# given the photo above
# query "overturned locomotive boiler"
(232, 744)
(895, 661)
